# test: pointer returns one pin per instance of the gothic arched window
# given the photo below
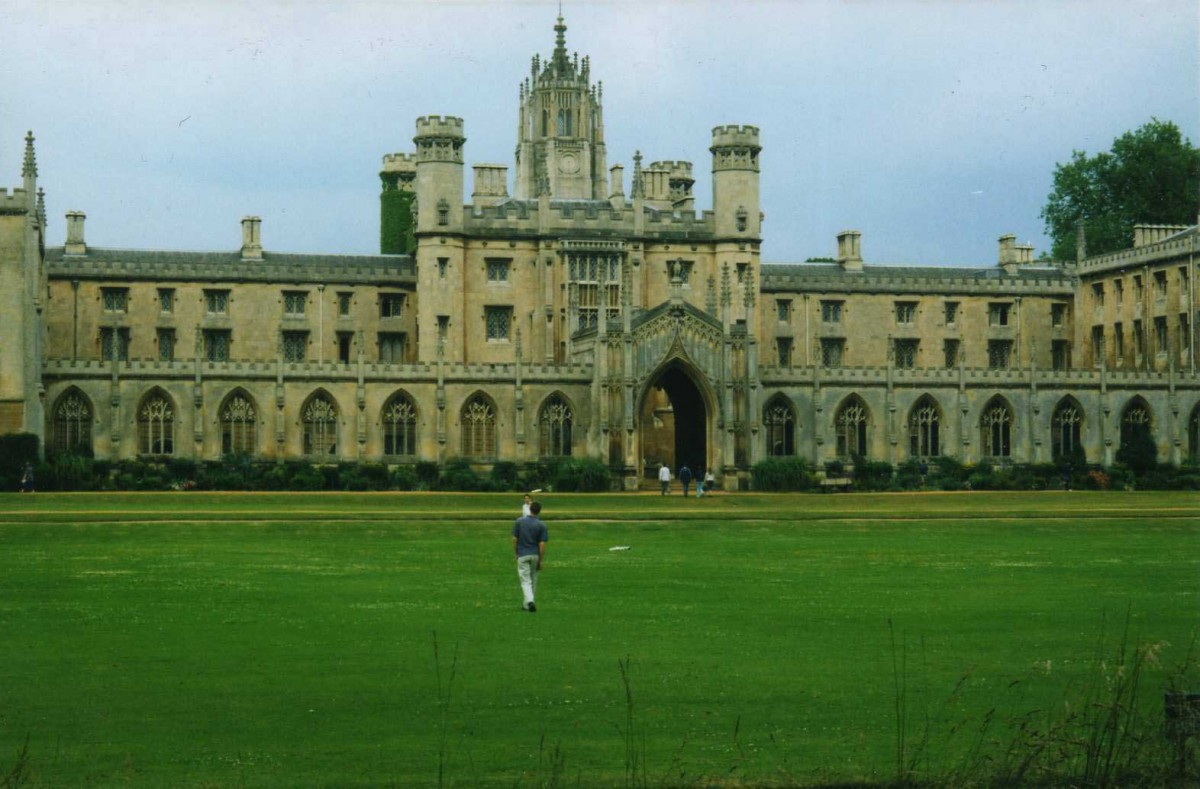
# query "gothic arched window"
(239, 424)
(400, 425)
(156, 424)
(924, 428)
(556, 422)
(995, 427)
(1066, 429)
(478, 419)
(319, 418)
(71, 430)
(1137, 434)
(851, 424)
(779, 423)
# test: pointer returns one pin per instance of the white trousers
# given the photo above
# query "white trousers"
(528, 573)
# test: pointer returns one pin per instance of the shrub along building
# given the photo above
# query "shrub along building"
(570, 318)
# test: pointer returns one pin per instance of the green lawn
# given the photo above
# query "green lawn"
(192, 639)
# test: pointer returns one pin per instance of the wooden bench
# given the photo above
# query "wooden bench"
(833, 484)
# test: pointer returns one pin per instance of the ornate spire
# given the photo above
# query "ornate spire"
(639, 186)
(30, 167)
(41, 206)
(748, 298)
(560, 43)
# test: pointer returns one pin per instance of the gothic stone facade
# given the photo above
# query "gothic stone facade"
(573, 319)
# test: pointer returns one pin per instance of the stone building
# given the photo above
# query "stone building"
(571, 318)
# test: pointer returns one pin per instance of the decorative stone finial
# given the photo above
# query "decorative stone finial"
(560, 41)
(639, 184)
(30, 167)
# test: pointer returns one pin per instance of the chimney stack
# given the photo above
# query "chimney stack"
(75, 244)
(1013, 254)
(1008, 254)
(616, 180)
(850, 250)
(491, 184)
(252, 238)
(1144, 235)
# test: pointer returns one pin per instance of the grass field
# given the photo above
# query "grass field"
(377, 639)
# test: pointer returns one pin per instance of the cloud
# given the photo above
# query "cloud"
(878, 116)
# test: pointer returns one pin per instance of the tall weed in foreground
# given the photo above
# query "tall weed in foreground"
(635, 742)
(1100, 736)
(19, 774)
(444, 696)
(552, 762)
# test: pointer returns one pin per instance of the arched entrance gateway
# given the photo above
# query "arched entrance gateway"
(674, 423)
(684, 396)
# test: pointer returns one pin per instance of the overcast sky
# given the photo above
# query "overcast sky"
(932, 127)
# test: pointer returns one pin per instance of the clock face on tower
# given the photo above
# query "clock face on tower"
(568, 164)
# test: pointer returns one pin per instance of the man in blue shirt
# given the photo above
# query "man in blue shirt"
(529, 537)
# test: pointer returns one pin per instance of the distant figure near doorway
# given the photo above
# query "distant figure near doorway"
(685, 478)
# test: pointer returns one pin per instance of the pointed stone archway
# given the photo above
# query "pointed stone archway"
(675, 421)
(676, 403)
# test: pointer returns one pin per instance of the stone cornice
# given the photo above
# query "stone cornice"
(116, 264)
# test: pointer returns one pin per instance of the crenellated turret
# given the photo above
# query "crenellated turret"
(671, 183)
(439, 180)
(441, 266)
(398, 177)
(735, 152)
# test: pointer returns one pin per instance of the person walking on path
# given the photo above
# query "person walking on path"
(664, 476)
(27, 479)
(685, 478)
(709, 482)
(529, 536)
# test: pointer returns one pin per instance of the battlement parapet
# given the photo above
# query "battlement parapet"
(14, 202)
(591, 217)
(1143, 255)
(1017, 377)
(833, 280)
(110, 264)
(399, 162)
(458, 372)
(439, 126)
(735, 135)
(674, 166)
